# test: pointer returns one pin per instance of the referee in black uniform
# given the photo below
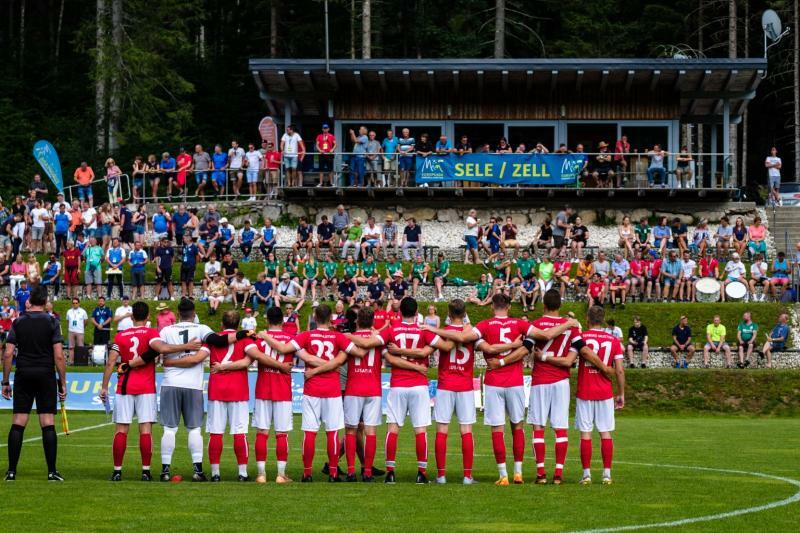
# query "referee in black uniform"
(38, 342)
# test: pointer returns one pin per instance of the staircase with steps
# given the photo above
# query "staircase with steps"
(784, 225)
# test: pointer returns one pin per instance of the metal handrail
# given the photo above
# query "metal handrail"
(123, 182)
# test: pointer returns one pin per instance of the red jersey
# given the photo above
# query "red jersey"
(595, 288)
(562, 268)
(456, 366)
(273, 160)
(593, 384)
(637, 267)
(394, 318)
(71, 258)
(325, 141)
(708, 267)
(543, 372)
(409, 337)
(290, 324)
(654, 268)
(230, 386)
(133, 342)
(501, 330)
(379, 318)
(271, 383)
(325, 344)
(364, 373)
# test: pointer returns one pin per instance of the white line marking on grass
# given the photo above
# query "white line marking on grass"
(87, 428)
(707, 518)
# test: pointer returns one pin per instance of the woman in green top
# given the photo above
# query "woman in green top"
(546, 268)
(419, 274)
(350, 268)
(481, 295)
(310, 274)
(440, 276)
(368, 268)
(392, 266)
(329, 281)
(290, 266)
(272, 268)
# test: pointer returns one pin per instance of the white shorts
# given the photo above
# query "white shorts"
(463, 403)
(550, 402)
(412, 401)
(267, 413)
(143, 406)
(362, 408)
(220, 414)
(591, 414)
(502, 401)
(329, 411)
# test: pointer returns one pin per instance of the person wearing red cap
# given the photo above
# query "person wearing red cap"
(326, 145)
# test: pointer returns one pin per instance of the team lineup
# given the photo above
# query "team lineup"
(352, 400)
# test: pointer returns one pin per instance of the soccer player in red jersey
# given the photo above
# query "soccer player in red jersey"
(595, 401)
(273, 403)
(323, 351)
(408, 388)
(136, 389)
(228, 395)
(504, 391)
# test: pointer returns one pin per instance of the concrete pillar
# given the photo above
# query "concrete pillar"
(726, 141)
(713, 156)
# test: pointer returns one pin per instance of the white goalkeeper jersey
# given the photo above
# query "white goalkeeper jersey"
(181, 333)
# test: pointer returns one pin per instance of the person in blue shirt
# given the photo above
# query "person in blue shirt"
(22, 295)
(51, 275)
(164, 255)
(219, 161)
(389, 149)
(210, 236)
(776, 339)
(61, 222)
(267, 237)
(101, 319)
(127, 227)
(161, 222)
(227, 236)
(189, 256)
(168, 166)
(262, 292)
(247, 236)
(443, 146)
(358, 167)
(179, 220)
(115, 257)
(137, 259)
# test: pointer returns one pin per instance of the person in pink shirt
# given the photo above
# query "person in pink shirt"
(652, 268)
(637, 265)
(758, 233)
(165, 317)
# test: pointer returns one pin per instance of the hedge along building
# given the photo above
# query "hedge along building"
(552, 101)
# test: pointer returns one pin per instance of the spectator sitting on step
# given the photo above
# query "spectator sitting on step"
(715, 341)
(687, 279)
(241, 288)
(759, 276)
(757, 234)
(353, 237)
(371, 238)
(230, 267)
(508, 236)
(776, 339)
(398, 288)
(389, 236)
(662, 234)
(612, 329)
(700, 238)
(682, 342)
(326, 236)
(781, 270)
(723, 236)
(210, 270)
(246, 239)
(481, 294)
(288, 290)
(347, 290)
(740, 236)
(734, 271)
(585, 271)
(627, 237)
(304, 239)
(544, 237)
(680, 235)
(596, 291)
(262, 292)
(578, 236)
(217, 291)
(637, 341)
(419, 274)
(562, 268)
(746, 335)
(412, 238)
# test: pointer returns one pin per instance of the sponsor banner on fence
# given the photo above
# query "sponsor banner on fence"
(46, 155)
(501, 169)
(83, 390)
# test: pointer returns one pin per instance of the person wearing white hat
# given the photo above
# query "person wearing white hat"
(734, 271)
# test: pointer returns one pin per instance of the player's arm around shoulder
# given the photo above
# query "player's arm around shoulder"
(275, 344)
(190, 360)
(111, 364)
(552, 333)
(398, 362)
(365, 343)
(327, 366)
(588, 355)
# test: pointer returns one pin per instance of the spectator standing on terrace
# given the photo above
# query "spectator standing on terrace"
(84, 175)
(201, 163)
(341, 221)
(776, 339)
(101, 320)
(406, 146)
(219, 161)
(253, 160)
(603, 171)
(76, 326)
(374, 165)
(389, 150)
(236, 166)
(326, 146)
(773, 164)
(272, 159)
(656, 171)
(560, 231)
(38, 187)
(358, 160)
(184, 162)
(412, 238)
(293, 150)
(683, 169)
(168, 165)
(471, 236)
(621, 151)
(503, 147)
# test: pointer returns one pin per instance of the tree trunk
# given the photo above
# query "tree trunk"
(273, 29)
(499, 28)
(201, 43)
(366, 29)
(733, 128)
(21, 35)
(796, 69)
(100, 81)
(352, 29)
(57, 51)
(115, 107)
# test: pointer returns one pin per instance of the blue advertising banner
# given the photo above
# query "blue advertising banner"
(502, 169)
(83, 390)
(46, 155)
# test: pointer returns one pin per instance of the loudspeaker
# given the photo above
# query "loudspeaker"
(80, 356)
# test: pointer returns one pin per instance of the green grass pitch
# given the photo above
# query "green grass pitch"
(671, 489)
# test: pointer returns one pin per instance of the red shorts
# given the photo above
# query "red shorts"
(71, 276)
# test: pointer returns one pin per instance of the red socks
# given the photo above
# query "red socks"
(467, 453)
(391, 450)
(241, 448)
(562, 443)
(440, 449)
(350, 452)
(146, 449)
(333, 452)
(519, 445)
(422, 451)
(214, 448)
(370, 447)
(607, 451)
(261, 446)
(309, 444)
(281, 447)
(539, 450)
(120, 443)
(499, 447)
(586, 453)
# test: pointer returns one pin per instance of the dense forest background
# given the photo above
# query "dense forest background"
(119, 77)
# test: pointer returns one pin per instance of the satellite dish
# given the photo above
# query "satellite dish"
(771, 23)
